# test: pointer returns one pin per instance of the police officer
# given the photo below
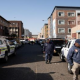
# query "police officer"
(74, 58)
(48, 49)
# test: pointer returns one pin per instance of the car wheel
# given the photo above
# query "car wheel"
(6, 57)
(61, 57)
(69, 68)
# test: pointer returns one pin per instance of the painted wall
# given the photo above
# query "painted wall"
(51, 27)
(54, 28)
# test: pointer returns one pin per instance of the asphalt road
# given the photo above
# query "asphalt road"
(29, 64)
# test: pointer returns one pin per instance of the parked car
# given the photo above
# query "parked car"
(64, 53)
(15, 43)
(58, 43)
(26, 41)
(22, 41)
(19, 43)
(6, 49)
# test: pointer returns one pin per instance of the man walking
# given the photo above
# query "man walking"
(74, 58)
(48, 49)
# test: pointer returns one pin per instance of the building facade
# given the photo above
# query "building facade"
(16, 27)
(49, 35)
(62, 19)
(39, 35)
(35, 36)
(45, 31)
(4, 24)
(27, 33)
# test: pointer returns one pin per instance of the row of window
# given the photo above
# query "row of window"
(62, 30)
(14, 23)
(70, 22)
(69, 14)
(4, 22)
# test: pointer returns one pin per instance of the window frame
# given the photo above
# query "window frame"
(61, 28)
(71, 24)
(68, 30)
(59, 12)
(70, 12)
(61, 24)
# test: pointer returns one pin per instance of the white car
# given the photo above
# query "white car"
(64, 53)
(6, 49)
(23, 41)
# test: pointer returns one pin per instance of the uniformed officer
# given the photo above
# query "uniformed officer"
(48, 49)
(74, 58)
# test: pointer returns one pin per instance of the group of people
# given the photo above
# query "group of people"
(73, 55)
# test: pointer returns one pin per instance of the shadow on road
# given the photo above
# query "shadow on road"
(26, 54)
(22, 74)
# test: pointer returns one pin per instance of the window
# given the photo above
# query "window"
(61, 14)
(61, 22)
(9, 27)
(61, 30)
(78, 14)
(71, 22)
(13, 23)
(69, 30)
(71, 14)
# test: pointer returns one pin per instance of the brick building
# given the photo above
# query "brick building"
(45, 31)
(16, 27)
(62, 19)
(4, 24)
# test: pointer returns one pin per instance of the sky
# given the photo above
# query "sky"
(32, 12)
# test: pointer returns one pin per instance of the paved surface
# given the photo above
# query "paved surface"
(29, 64)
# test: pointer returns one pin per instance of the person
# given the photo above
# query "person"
(48, 49)
(74, 58)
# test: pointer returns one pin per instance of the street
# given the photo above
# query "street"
(29, 64)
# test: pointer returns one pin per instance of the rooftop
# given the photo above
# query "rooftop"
(4, 19)
(68, 7)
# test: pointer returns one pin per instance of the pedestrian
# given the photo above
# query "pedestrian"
(48, 49)
(74, 58)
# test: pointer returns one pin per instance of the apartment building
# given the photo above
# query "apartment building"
(16, 27)
(45, 31)
(27, 33)
(62, 19)
(49, 32)
(42, 32)
(35, 36)
(39, 35)
(4, 24)
(30, 34)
